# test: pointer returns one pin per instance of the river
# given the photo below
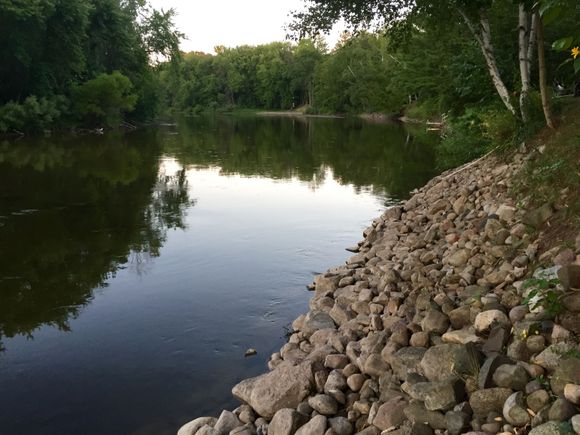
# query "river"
(137, 268)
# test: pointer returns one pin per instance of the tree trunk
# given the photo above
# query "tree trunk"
(524, 60)
(483, 38)
(543, 74)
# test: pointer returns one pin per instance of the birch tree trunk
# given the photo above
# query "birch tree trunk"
(524, 59)
(482, 34)
(543, 74)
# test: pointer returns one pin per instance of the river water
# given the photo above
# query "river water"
(136, 269)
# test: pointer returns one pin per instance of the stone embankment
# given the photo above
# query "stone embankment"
(451, 318)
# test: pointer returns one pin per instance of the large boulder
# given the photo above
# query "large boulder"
(193, 426)
(316, 426)
(286, 422)
(483, 402)
(316, 320)
(449, 360)
(439, 396)
(284, 387)
(390, 413)
(405, 360)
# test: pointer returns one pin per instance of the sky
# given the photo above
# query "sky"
(208, 23)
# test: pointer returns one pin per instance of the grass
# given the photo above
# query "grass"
(553, 176)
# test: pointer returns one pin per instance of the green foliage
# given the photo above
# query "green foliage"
(33, 114)
(104, 100)
(273, 76)
(463, 140)
(48, 47)
(543, 294)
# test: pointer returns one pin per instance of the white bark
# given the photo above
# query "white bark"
(524, 58)
(482, 34)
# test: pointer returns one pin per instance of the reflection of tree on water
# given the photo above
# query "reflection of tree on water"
(169, 201)
(93, 207)
(384, 158)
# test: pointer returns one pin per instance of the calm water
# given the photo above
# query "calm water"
(136, 269)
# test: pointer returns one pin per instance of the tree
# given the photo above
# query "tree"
(104, 99)
(404, 15)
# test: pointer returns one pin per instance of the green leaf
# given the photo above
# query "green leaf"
(563, 43)
(577, 65)
(551, 15)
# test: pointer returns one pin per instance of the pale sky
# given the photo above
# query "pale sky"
(232, 22)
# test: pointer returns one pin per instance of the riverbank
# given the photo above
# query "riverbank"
(458, 313)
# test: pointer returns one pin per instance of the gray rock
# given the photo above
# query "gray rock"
(511, 376)
(494, 427)
(419, 339)
(486, 319)
(284, 387)
(537, 400)
(561, 410)
(405, 360)
(390, 413)
(456, 422)
(285, 422)
(506, 212)
(461, 336)
(518, 351)
(247, 429)
(537, 217)
(490, 365)
(336, 361)
(449, 360)
(570, 276)
(572, 393)
(206, 430)
(335, 381)
(491, 399)
(323, 404)
(576, 423)
(371, 430)
(549, 428)
(460, 317)
(439, 396)
(375, 365)
(316, 426)
(340, 425)
(536, 343)
(496, 341)
(227, 422)
(316, 320)
(459, 258)
(417, 413)
(551, 356)
(571, 302)
(355, 381)
(417, 429)
(435, 321)
(193, 426)
(514, 410)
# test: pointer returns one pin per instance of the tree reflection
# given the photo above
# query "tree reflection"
(72, 213)
(382, 157)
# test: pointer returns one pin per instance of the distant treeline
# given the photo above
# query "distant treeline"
(80, 62)
(439, 68)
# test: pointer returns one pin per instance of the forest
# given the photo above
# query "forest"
(493, 70)
(72, 63)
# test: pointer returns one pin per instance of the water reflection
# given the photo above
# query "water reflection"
(71, 213)
(382, 157)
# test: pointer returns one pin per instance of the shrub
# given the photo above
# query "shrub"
(33, 115)
(104, 100)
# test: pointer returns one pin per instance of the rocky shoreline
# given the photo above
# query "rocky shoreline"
(452, 317)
